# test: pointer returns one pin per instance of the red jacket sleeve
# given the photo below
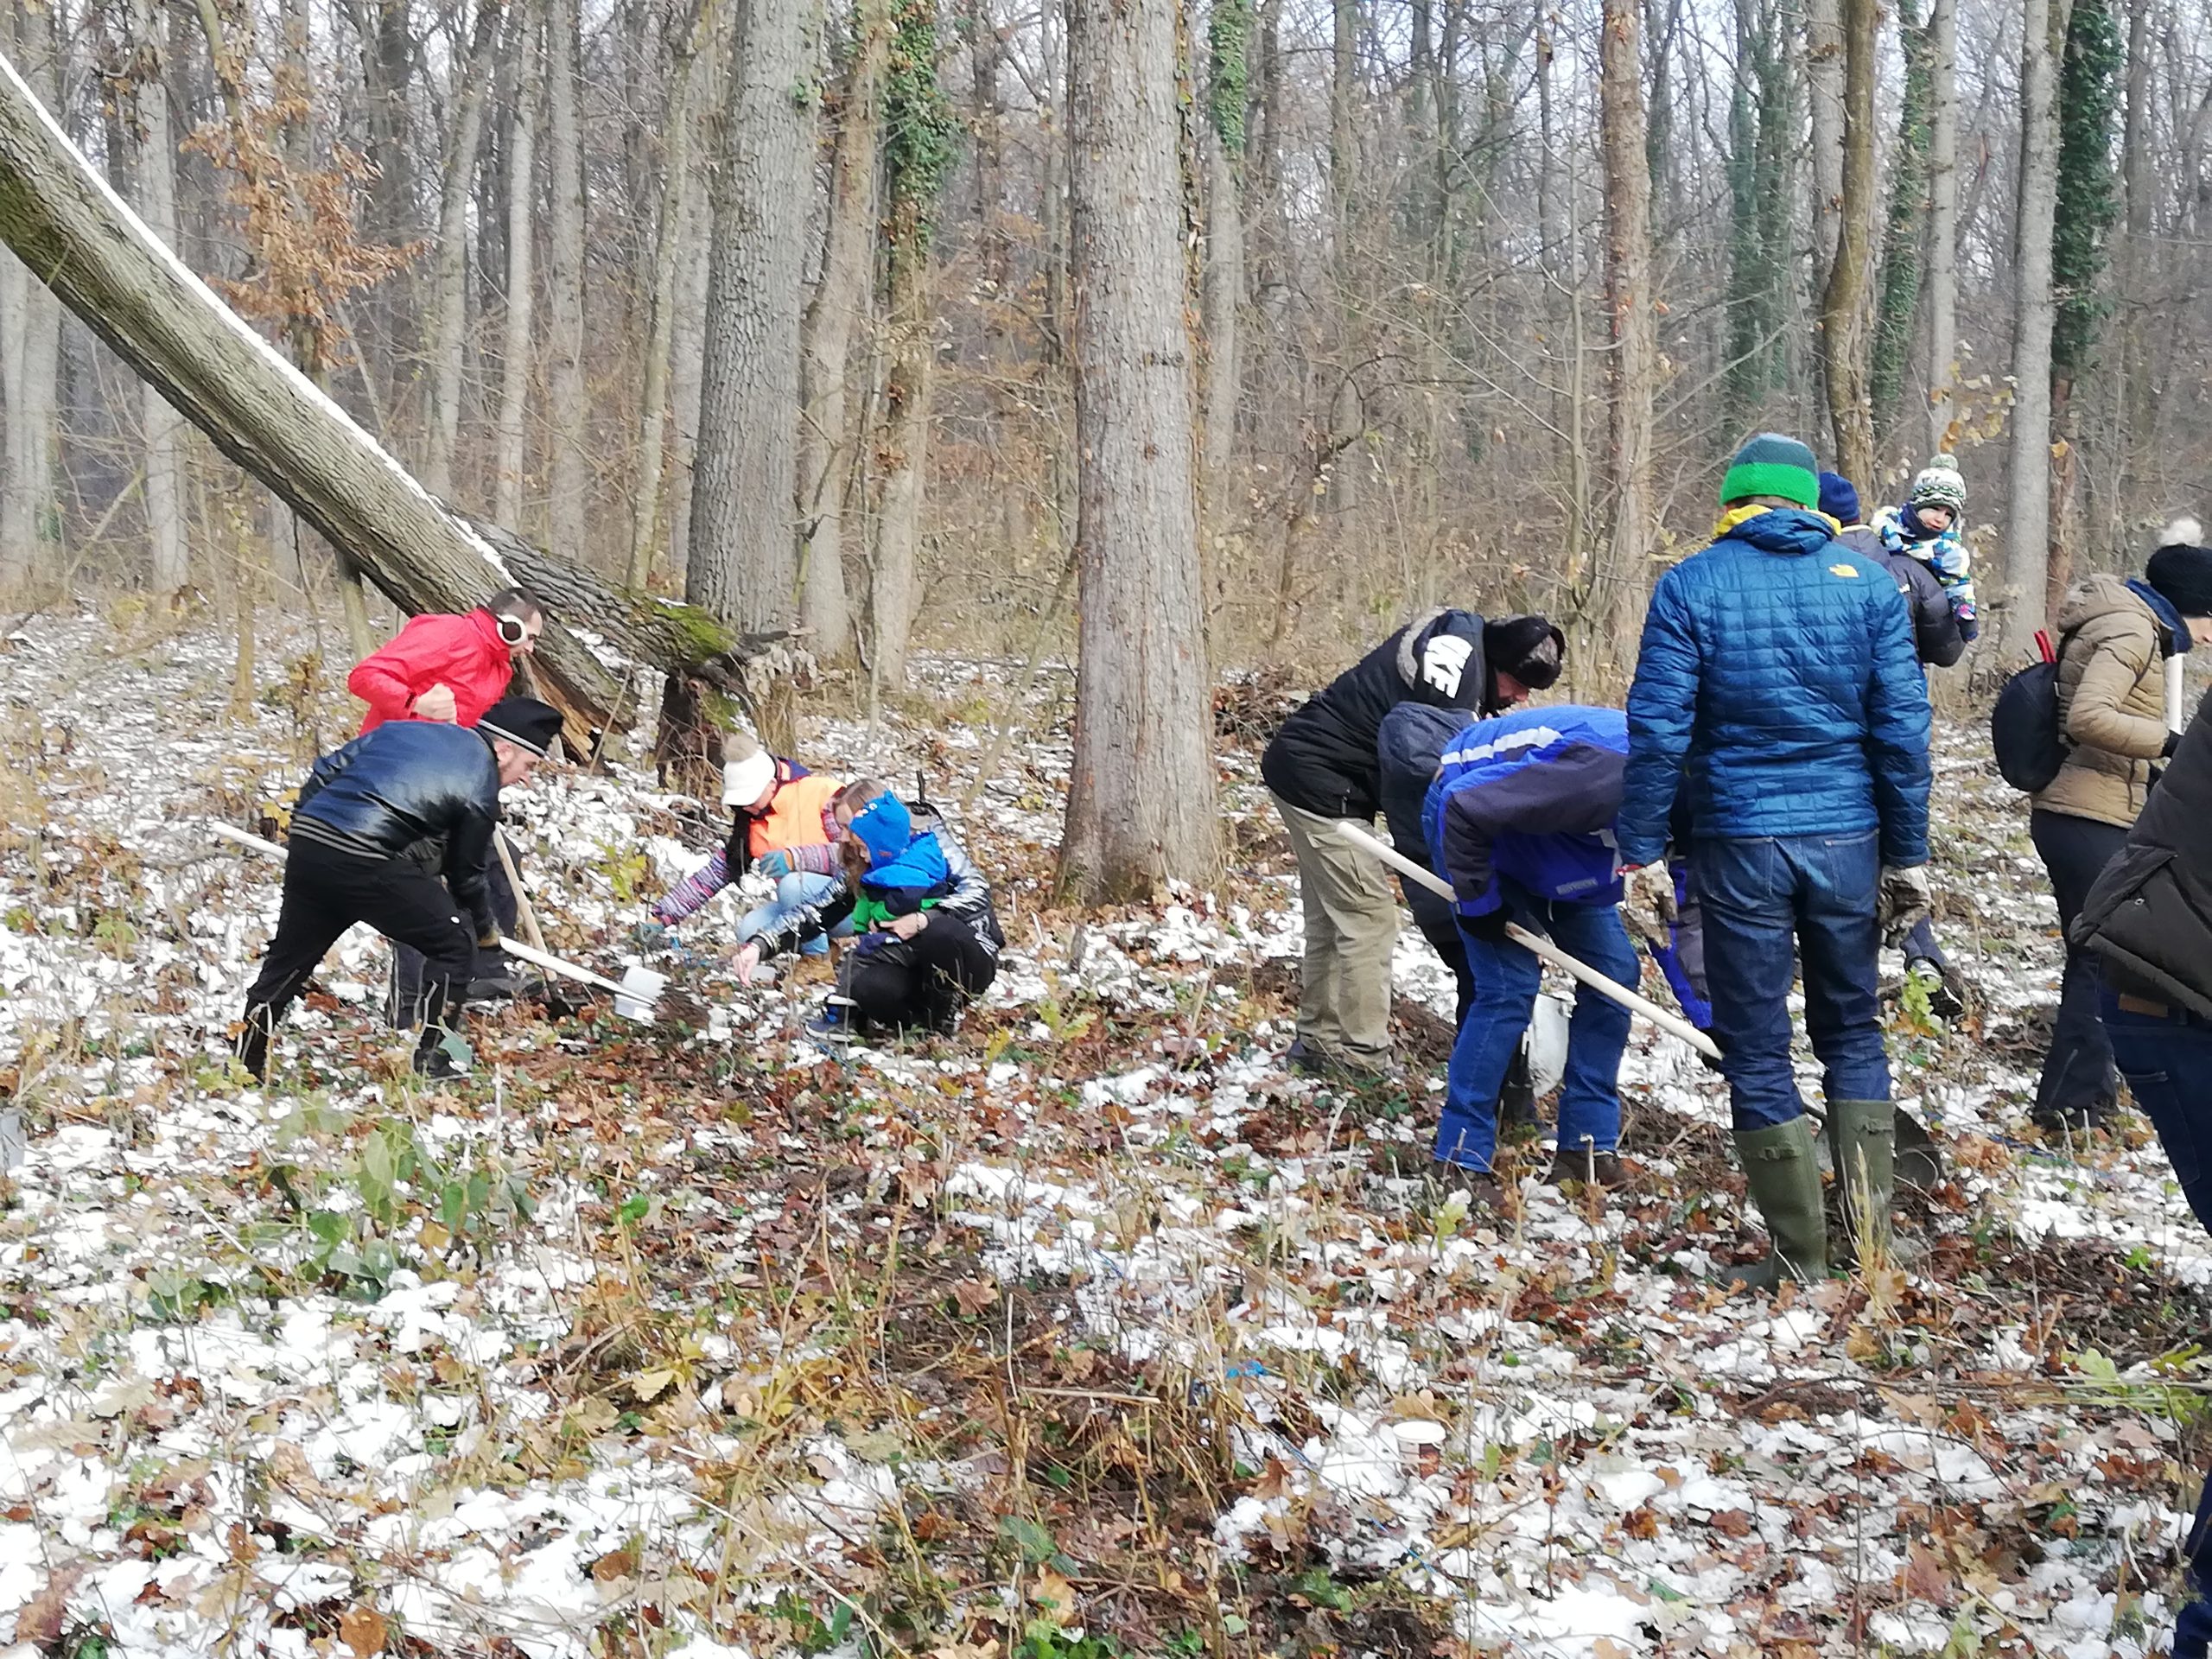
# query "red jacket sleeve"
(391, 678)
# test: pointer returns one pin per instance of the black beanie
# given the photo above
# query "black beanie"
(2182, 575)
(1528, 647)
(523, 721)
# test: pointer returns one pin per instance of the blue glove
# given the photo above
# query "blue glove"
(775, 865)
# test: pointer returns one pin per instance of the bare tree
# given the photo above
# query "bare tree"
(30, 360)
(1142, 692)
(568, 464)
(2028, 516)
(449, 332)
(515, 335)
(1943, 222)
(1846, 302)
(1229, 34)
(743, 555)
(155, 174)
(1634, 371)
(1826, 74)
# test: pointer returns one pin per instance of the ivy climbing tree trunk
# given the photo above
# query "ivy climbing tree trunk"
(1229, 38)
(1906, 228)
(1143, 692)
(2088, 200)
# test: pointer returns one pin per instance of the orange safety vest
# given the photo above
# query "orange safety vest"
(794, 815)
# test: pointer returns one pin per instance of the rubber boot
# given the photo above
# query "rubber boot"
(1862, 1148)
(1919, 1161)
(1784, 1171)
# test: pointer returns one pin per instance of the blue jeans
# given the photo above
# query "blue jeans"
(1761, 900)
(1506, 981)
(2167, 1060)
(799, 888)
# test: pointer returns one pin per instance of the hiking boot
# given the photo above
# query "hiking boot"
(1783, 1174)
(251, 1048)
(1516, 1100)
(1485, 1191)
(441, 1056)
(1572, 1165)
(1945, 1000)
(1862, 1149)
(492, 988)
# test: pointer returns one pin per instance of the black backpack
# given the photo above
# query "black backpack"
(2025, 727)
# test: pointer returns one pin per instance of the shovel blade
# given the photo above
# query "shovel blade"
(641, 989)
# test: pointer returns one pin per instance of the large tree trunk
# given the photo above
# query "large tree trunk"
(154, 171)
(1634, 370)
(2028, 521)
(841, 302)
(1942, 220)
(904, 450)
(511, 456)
(1827, 74)
(743, 555)
(449, 342)
(1844, 304)
(1229, 37)
(678, 189)
(1141, 800)
(30, 362)
(568, 471)
(64, 221)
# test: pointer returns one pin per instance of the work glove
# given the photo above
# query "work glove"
(775, 865)
(1902, 901)
(1648, 902)
(1489, 927)
(647, 937)
(487, 934)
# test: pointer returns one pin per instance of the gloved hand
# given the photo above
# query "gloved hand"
(1490, 926)
(1648, 904)
(1903, 901)
(2166, 749)
(650, 936)
(487, 934)
(775, 865)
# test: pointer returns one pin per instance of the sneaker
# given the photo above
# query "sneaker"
(1572, 1165)
(835, 1023)
(1943, 998)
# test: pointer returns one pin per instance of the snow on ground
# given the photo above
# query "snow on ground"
(1092, 1327)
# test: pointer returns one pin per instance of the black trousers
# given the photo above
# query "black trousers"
(923, 980)
(491, 962)
(2077, 1074)
(1434, 920)
(325, 891)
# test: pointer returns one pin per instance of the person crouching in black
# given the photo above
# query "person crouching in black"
(378, 824)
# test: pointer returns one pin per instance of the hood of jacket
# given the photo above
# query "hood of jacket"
(1791, 532)
(2095, 597)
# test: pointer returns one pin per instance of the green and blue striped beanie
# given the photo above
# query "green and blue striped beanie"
(1773, 465)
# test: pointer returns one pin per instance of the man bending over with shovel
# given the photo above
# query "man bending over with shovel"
(1521, 818)
(378, 824)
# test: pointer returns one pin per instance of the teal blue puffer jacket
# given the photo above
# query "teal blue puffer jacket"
(1777, 670)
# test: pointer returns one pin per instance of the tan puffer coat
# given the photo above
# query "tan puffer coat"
(2112, 703)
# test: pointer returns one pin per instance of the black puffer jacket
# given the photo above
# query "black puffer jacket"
(413, 789)
(1935, 635)
(1323, 758)
(2150, 914)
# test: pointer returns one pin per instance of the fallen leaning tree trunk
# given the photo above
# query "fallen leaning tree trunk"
(77, 236)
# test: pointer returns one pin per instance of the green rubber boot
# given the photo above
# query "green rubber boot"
(1862, 1146)
(1784, 1174)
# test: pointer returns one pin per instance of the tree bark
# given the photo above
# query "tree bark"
(743, 555)
(905, 449)
(63, 220)
(1634, 370)
(1942, 220)
(514, 441)
(569, 462)
(1140, 801)
(1844, 335)
(1827, 73)
(449, 345)
(1223, 295)
(30, 361)
(155, 172)
(2027, 529)
(678, 190)
(841, 303)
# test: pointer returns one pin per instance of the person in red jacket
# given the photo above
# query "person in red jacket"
(450, 668)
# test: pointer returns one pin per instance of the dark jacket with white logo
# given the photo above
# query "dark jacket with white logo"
(1323, 758)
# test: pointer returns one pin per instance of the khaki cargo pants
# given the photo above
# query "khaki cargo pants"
(1351, 930)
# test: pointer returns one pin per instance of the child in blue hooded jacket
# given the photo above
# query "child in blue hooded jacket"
(926, 939)
(1520, 819)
